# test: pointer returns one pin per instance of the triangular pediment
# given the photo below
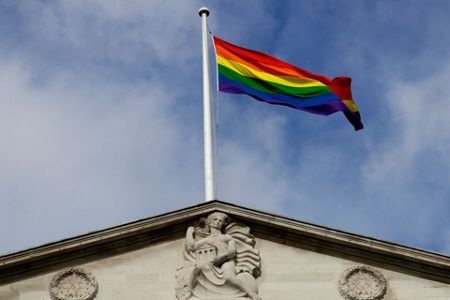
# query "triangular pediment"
(272, 229)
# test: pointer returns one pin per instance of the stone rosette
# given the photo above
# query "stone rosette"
(73, 284)
(362, 283)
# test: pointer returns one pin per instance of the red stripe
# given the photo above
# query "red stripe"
(256, 65)
(267, 61)
(341, 86)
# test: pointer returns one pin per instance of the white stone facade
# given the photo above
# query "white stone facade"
(293, 260)
(288, 273)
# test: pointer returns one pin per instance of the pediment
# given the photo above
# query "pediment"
(271, 231)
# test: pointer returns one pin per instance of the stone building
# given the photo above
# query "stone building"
(222, 251)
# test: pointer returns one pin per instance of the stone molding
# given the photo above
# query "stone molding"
(362, 283)
(172, 225)
(73, 284)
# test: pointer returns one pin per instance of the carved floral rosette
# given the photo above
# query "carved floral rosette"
(362, 283)
(73, 284)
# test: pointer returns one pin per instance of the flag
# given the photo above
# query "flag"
(268, 79)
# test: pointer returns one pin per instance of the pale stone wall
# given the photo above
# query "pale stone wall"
(288, 273)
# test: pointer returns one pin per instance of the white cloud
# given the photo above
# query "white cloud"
(103, 153)
(121, 33)
(419, 130)
(79, 143)
(407, 172)
(100, 119)
(250, 167)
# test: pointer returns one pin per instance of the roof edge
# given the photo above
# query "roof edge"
(150, 224)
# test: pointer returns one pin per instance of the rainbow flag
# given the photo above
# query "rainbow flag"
(268, 79)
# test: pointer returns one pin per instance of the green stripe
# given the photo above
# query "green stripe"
(273, 88)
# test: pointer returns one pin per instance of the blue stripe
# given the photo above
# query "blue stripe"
(323, 104)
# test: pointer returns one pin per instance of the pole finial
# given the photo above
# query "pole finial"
(203, 10)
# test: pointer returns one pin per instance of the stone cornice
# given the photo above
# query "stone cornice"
(172, 225)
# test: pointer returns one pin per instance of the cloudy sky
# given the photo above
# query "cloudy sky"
(101, 116)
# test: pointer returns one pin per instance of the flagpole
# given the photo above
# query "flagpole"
(207, 115)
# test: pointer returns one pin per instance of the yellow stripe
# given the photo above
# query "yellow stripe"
(250, 72)
(351, 104)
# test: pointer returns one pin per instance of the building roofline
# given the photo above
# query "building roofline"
(289, 231)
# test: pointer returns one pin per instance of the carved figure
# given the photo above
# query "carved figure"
(220, 261)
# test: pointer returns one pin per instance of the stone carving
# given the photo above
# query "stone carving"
(219, 261)
(362, 283)
(73, 284)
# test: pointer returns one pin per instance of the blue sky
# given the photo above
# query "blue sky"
(101, 117)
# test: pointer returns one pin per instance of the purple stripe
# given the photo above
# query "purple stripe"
(322, 106)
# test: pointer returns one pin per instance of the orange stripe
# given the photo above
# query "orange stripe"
(275, 70)
(292, 81)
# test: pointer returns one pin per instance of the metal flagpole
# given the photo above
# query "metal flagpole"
(207, 115)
